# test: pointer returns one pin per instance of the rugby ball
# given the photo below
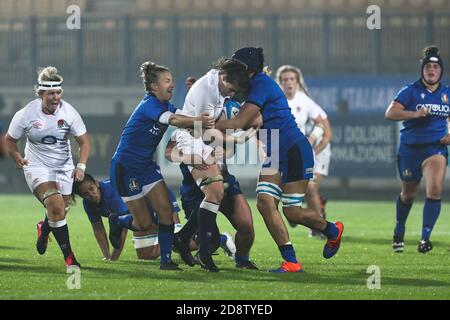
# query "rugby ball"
(231, 108)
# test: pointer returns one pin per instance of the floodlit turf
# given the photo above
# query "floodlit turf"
(368, 230)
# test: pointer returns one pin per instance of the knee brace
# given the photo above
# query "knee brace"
(269, 188)
(208, 180)
(49, 193)
(292, 199)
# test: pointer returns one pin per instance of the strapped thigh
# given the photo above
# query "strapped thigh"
(292, 199)
(50, 192)
(272, 189)
(208, 180)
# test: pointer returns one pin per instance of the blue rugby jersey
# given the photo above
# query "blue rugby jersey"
(142, 133)
(434, 126)
(111, 202)
(275, 110)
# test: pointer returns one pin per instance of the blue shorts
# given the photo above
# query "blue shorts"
(191, 201)
(411, 157)
(296, 162)
(134, 183)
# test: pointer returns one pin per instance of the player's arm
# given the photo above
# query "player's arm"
(14, 153)
(243, 120)
(322, 129)
(102, 238)
(182, 121)
(85, 148)
(2, 145)
(396, 112)
(116, 252)
(173, 154)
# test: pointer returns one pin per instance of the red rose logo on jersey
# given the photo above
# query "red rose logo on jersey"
(444, 98)
(61, 123)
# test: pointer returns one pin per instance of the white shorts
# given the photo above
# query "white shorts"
(322, 163)
(187, 144)
(35, 176)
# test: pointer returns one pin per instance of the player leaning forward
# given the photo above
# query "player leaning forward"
(286, 179)
(47, 122)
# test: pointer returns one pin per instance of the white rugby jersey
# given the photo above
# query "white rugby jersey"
(305, 110)
(47, 135)
(204, 96)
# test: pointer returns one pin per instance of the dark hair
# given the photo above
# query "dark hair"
(252, 57)
(431, 54)
(77, 184)
(430, 51)
(150, 74)
(234, 71)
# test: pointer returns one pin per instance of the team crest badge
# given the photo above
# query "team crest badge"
(61, 123)
(407, 173)
(444, 98)
(134, 185)
(422, 95)
(298, 109)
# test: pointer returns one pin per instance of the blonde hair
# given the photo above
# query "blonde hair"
(150, 72)
(48, 73)
(298, 74)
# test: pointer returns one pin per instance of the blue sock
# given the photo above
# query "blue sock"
(401, 216)
(165, 239)
(126, 221)
(244, 258)
(288, 253)
(431, 211)
(331, 231)
(223, 239)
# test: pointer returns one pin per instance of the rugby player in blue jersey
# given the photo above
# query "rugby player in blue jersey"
(100, 199)
(134, 173)
(289, 162)
(423, 106)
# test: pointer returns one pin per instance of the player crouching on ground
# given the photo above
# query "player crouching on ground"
(100, 199)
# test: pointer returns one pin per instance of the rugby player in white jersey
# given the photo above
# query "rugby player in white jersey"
(208, 94)
(47, 122)
(307, 112)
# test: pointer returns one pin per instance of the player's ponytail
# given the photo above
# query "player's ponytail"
(150, 72)
(47, 75)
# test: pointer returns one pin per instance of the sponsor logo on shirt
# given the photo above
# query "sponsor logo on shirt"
(435, 109)
(155, 130)
(37, 124)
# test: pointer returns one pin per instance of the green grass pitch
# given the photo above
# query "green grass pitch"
(367, 236)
